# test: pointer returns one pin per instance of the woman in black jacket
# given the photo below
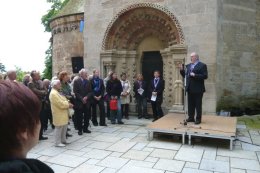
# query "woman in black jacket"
(20, 127)
(114, 90)
(140, 90)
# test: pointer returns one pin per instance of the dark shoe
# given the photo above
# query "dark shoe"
(68, 135)
(86, 131)
(80, 133)
(197, 121)
(41, 138)
(190, 120)
(121, 122)
(68, 129)
(146, 117)
(139, 117)
(113, 122)
(155, 119)
(127, 118)
(103, 124)
(95, 123)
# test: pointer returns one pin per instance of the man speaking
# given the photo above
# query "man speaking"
(195, 72)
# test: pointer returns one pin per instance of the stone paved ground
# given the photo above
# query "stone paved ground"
(125, 149)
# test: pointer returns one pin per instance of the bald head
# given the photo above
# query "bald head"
(11, 74)
(194, 57)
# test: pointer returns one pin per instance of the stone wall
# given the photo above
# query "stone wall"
(68, 42)
(198, 19)
(238, 49)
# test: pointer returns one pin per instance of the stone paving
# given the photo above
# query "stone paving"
(125, 149)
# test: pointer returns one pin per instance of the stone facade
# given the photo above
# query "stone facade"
(68, 42)
(225, 33)
(238, 58)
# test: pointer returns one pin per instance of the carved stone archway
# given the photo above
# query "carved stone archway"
(129, 28)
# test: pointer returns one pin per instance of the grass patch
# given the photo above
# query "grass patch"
(251, 122)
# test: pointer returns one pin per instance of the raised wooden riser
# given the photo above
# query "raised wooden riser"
(211, 126)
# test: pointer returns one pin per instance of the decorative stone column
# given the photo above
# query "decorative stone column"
(108, 66)
(172, 57)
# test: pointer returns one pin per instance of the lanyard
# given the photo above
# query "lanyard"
(156, 82)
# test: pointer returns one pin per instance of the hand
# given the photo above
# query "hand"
(85, 100)
(115, 97)
(71, 105)
(192, 74)
(154, 93)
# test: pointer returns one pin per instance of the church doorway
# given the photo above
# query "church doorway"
(151, 61)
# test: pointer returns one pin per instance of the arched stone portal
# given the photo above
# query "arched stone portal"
(125, 42)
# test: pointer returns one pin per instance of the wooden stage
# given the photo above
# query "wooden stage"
(212, 127)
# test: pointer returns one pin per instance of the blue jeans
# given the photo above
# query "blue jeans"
(117, 114)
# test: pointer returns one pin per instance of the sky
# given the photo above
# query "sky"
(23, 41)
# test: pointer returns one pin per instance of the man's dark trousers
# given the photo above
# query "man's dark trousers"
(195, 103)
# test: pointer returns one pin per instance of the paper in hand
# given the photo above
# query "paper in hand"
(140, 91)
(153, 98)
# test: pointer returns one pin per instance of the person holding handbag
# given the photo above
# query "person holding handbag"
(114, 90)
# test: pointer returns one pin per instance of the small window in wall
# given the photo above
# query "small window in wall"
(77, 64)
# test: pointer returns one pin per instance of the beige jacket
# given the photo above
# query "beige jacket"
(59, 108)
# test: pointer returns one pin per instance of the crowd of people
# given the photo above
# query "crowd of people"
(27, 107)
(77, 97)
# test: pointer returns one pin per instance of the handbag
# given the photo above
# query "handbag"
(113, 104)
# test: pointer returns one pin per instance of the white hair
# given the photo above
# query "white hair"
(83, 71)
(54, 78)
(195, 54)
(54, 83)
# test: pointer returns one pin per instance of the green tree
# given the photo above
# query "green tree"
(56, 6)
(47, 72)
(2, 67)
(19, 74)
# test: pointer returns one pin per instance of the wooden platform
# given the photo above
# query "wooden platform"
(212, 126)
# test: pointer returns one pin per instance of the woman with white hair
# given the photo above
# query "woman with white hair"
(60, 108)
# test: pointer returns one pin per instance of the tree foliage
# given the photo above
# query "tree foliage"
(56, 6)
(47, 72)
(19, 73)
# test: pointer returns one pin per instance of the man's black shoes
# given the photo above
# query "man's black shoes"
(41, 138)
(86, 131)
(190, 120)
(197, 122)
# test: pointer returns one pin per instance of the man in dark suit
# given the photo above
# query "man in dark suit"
(83, 93)
(98, 88)
(195, 72)
(156, 93)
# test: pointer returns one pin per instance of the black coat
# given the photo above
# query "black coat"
(159, 89)
(81, 91)
(195, 84)
(114, 88)
(24, 165)
(136, 87)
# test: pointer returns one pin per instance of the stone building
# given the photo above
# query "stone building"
(139, 36)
